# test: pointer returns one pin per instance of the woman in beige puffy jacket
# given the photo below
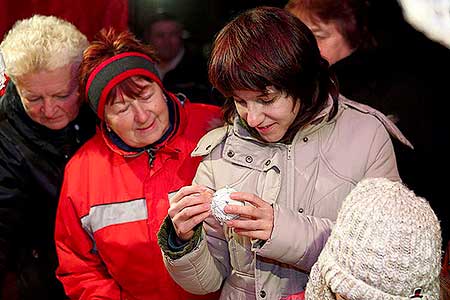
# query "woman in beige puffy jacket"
(293, 149)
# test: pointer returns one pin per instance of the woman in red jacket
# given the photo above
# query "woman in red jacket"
(115, 191)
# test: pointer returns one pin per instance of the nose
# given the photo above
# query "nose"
(140, 113)
(48, 107)
(254, 115)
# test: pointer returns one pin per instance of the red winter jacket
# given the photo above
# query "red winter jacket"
(111, 206)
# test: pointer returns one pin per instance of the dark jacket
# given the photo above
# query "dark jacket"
(32, 161)
(408, 94)
(190, 77)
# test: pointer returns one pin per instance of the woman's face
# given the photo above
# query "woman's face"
(139, 121)
(271, 114)
(166, 37)
(50, 98)
(332, 44)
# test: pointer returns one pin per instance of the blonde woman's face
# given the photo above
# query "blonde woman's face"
(50, 98)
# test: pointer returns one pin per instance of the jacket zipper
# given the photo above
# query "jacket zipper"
(151, 156)
(289, 152)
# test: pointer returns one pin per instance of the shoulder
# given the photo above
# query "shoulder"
(93, 151)
(211, 140)
(202, 110)
(202, 118)
(356, 113)
(367, 117)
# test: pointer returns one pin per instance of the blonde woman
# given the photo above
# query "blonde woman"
(42, 124)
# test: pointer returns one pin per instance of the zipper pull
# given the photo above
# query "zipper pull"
(151, 157)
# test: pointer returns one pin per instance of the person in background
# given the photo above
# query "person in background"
(340, 28)
(371, 73)
(182, 70)
(293, 149)
(116, 187)
(42, 124)
(386, 244)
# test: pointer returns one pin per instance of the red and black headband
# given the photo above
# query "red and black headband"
(113, 71)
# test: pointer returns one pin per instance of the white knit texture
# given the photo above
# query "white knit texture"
(220, 199)
(385, 244)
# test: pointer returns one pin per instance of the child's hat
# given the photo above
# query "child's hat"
(386, 244)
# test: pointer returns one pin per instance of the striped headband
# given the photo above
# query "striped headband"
(113, 71)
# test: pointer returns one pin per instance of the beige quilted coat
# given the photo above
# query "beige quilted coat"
(305, 182)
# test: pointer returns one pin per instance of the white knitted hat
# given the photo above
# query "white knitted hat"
(386, 245)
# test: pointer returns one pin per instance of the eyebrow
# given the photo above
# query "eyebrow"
(68, 89)
(262, 95)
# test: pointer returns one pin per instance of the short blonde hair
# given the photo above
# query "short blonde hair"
(41, 43)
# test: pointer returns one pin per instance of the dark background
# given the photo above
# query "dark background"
(204, 18)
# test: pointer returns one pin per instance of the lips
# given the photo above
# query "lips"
(54, 119)
(150, 126)
(264, 129)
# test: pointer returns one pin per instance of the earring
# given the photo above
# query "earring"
(108, 128)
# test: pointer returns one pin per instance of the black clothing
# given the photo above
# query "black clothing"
(190, 77)
(32, 161)
(408, 95)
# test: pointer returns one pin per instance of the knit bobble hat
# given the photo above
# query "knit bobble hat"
(386, 244)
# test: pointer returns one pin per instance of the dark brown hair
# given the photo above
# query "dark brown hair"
(267, 46)
(350, 16)
(108, 43)
(160, 17)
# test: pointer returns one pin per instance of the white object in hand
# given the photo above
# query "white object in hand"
(220, 199)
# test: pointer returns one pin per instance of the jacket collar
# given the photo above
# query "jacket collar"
(62, 141)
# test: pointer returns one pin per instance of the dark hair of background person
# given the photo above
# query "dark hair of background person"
(158, 17)
(291, 63)
(175, 30)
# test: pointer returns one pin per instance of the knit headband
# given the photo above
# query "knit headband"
(113, 71)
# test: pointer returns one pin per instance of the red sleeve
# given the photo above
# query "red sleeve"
(204, 117)
(298, 296)
(80, 269)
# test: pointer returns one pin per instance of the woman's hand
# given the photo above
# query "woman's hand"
(256, 220)
(189, 207)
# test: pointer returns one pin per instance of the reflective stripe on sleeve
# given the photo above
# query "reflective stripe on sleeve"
(114, 213)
